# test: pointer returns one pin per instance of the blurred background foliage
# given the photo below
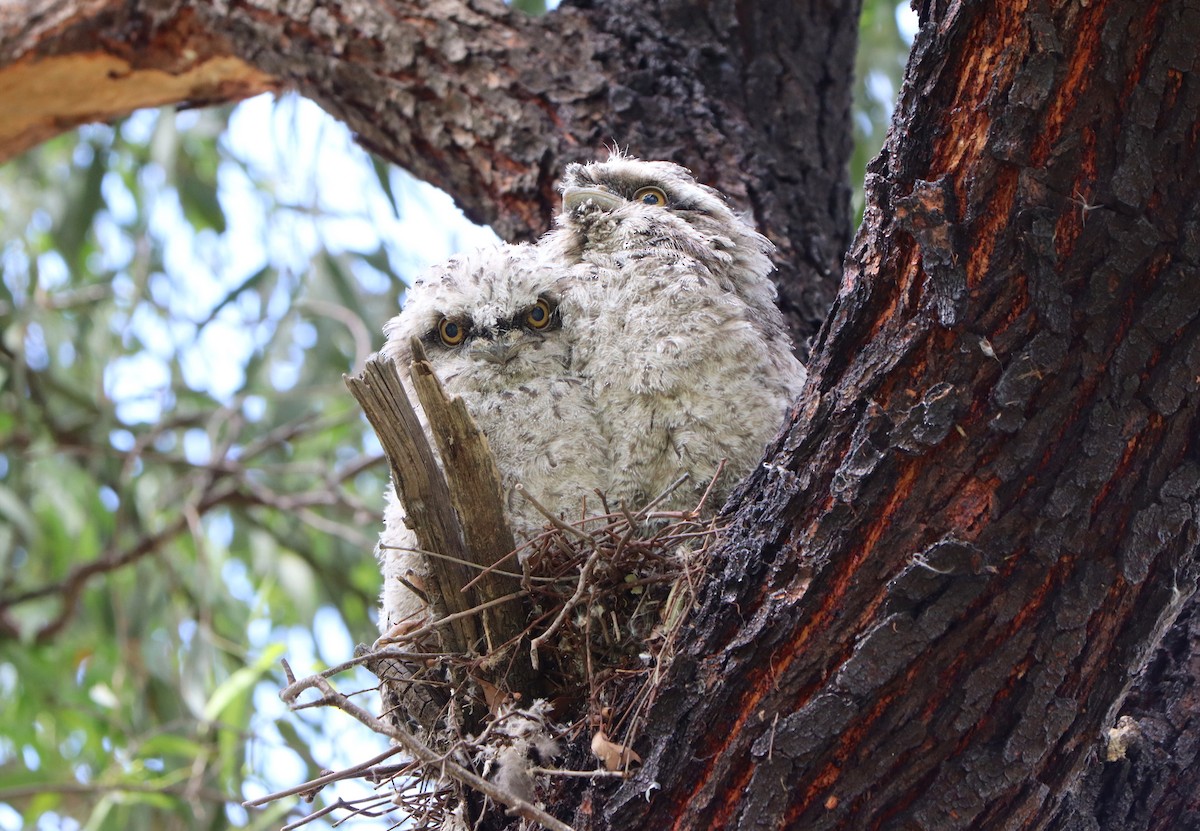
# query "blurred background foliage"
(187, 491)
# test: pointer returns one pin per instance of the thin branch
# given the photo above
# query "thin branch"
(314, 785)
(421, 752)
(71, 586)
(102, 788)
(555, 521)
(457, 616)
(568, 606)
(580, 774)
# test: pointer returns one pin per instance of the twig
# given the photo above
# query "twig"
(103, 788)
(671, 488)
(487, 569)
(71, 586)
(571, 603)
(581, 774)
(555, 521)
(422, 752)
(711, 483)
(314, 785)
(449, 619)
(351, 804)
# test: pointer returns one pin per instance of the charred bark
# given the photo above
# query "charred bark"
(488, 103)
(933, 593)
(1145, 774)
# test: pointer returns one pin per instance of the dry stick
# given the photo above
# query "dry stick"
(555, 521)
(314, 785)
(475, 491)
(580, 774)
(450, 619)
(572, 602)
(711, 483)
(418, 749)
(477, 567)
(317, 814)
(419, 483)
(671, 488)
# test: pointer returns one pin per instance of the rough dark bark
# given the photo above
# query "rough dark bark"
(490, 104)
(934, 592)
(1145, 776)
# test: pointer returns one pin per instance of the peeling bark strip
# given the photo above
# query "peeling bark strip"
(986, 515)
(490, 104)
(64, 63)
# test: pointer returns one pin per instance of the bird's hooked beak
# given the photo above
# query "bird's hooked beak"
(574, 198)
(498, 351)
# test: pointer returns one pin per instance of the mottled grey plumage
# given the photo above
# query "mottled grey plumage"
(513, 369)
(671, 308)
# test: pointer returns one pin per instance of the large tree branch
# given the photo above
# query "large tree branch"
(490, 104)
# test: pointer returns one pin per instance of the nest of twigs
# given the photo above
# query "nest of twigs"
(605, 598)
(540, 661)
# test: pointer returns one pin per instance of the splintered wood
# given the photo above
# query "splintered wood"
(456, 514)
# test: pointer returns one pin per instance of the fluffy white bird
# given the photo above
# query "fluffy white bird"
(671, 308)
(494, 335)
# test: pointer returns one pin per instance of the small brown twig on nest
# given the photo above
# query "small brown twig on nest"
(567, 607)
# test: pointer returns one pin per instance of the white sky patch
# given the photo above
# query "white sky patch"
(879, 87)
(330, 197)
(906, 22)
(139, 385)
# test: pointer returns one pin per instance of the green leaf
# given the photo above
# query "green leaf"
(166, 744)
(77, 221)
(383, 174)
(241, 683)
(254, 281)
(200, 204)
(16, 511)
(530, 7)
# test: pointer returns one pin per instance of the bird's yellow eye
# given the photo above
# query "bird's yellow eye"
(539, 315)
(652, 196)
(451, 332)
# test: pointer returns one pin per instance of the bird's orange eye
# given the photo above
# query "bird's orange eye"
(451, 332)
(539, 315)
(652, 196)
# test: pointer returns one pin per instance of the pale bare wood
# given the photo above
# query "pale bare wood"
(478, 498)
(69, 62)
(423, 491)
(455, 510)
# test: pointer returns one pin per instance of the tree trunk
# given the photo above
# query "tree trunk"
(933, 593)
(1146, 777)
(933, 596)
